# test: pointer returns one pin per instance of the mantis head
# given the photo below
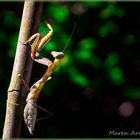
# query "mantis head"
(57, 55)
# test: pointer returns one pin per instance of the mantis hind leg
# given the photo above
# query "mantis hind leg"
(46, 111)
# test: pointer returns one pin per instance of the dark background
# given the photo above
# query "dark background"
(96, 88)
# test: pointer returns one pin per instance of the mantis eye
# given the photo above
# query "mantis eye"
(58, 55)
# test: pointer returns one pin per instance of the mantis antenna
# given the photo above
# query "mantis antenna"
(70, 37)
(60, 55)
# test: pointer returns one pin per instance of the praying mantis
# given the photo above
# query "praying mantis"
(37, 43)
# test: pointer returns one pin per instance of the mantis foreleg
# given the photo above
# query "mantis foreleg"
(37, 44)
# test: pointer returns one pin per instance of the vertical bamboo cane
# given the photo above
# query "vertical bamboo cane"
(22, 67)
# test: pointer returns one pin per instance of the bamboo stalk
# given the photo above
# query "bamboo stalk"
(22, 67)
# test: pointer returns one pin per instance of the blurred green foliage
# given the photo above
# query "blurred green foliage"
(107, 28)
(111, 60)
(58, 13)
(94, 4)
(87, 44)
(2, 35)
(110, 10)
(129, 39)
(132, 93)
(10, 19)
(13, 43)
(116, 75)
(78, 78)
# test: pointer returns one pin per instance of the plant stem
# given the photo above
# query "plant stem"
(22, 68)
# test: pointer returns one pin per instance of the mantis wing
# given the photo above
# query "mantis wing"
(30, 114)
